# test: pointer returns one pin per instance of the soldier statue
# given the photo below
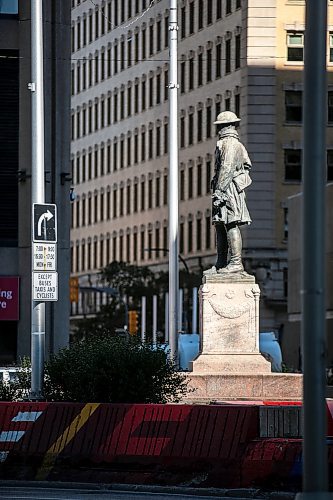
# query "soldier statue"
(229, 210)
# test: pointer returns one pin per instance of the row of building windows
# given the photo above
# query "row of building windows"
(140, 195)
(195, 235)
(293, 165)
(295, 46)
(147, 143)
(109, 16)
(294, 106)
(196, 69)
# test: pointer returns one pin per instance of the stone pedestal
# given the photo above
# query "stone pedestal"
(229, 326)
(230, 366)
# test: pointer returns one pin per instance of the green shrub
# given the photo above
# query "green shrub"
(17, 389)
(112, 370)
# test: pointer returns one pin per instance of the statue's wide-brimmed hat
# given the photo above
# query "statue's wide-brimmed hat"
(226, 117)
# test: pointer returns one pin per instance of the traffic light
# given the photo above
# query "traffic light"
(74, 289)
(133, 322)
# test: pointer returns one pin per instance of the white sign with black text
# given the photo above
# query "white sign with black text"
(45, 257)
(45, 286)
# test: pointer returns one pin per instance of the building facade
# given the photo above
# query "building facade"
(15, 170)
(244, 56)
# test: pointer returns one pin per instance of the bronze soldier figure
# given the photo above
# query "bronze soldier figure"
(229, 210)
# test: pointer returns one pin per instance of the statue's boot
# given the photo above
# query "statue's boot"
(235, 244)
(222, 249)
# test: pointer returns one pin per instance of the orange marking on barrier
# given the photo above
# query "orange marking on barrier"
(64, 439)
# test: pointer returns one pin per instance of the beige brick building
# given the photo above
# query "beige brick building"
(245, 56)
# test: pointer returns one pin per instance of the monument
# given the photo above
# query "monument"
(229, 365)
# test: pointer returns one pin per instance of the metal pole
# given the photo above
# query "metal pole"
(195, 310)
(154, 319)
(180, 313)
(37, 184)
(166, 336)
(173, 186)
(143, 318)
(315, 476)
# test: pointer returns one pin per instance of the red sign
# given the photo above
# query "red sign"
(9, 298)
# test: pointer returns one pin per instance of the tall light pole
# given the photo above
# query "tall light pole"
(173, 184)
(315, 470)
(37, 184)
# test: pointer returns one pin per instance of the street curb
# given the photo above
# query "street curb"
(239, 493)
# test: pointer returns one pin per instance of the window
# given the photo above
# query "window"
(166, 32)
(208, 121)
(209, 11)
(199, 179)
(181, 237)
(330, 165)
(121, 201)
(143, 44)
(200, 69)
(129, 151)
(166, 85)
(143, 95)
(189, 236)
(129, 53)
(190, 183)
(191, 18)
(90, 72)
(96, 69)
(78, 37)
(109, 110)
(143, 146)
(101, 207)
(136, 48)
(237, 51)
(150, 144)
(122, 153)
(151, 92)
(208, 232)
(150, 193)
(122, 55)
(158, 36)
(191, 74)
(218, 64)
(9, 7)
(128, 199)
(200, 14)
(115, 60)
(182, 76)
(115, 108)
(209, 65)
(198, 234)
(208, 176)
(143, 195)
(330, 107)
(136, 148)
(295, 46)
(96, 115)
(182, 185)
(103, 21)
(96, 24)
(227, 56)
(158, 141)
(129, 101)
(122, 15)
(157, 192)
(122, 104)
(90, 28)
(182, 131)
(238, 4)
(199, 125)
(151, 39)
(293, 164)
(165, 240)
(115, 156)
(237, 104)
(190, 129)
(158, 89)
(165, 189)
(136, 98)
(183, 22)
(331, 47)
(293, 106)
(142, 249)
(228, 7)
(166, 138)
(218, 9)
(135, 198)
(227, 104)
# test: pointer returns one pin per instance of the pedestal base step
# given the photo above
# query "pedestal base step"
(246, 386)
(230, 363)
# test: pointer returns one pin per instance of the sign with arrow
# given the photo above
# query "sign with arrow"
(45, 222)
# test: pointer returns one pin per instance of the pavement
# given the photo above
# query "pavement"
(43, 490)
